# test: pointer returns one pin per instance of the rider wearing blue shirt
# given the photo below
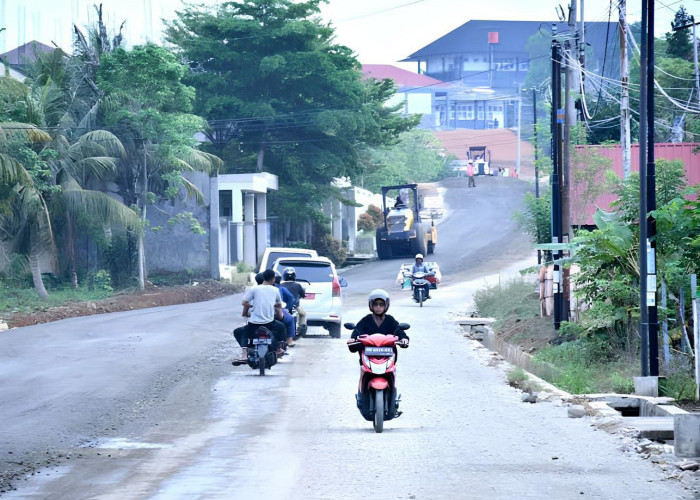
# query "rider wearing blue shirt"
(419, 267)
(288, 299)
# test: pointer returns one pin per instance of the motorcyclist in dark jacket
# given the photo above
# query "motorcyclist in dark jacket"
(379, 321)
(289, 276)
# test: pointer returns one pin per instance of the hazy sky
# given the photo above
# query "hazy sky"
(379, 31)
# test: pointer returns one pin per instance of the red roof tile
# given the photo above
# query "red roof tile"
(402, 77)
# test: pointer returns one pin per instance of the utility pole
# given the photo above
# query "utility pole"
(582, 47)
(556, 124)
(571, 57)
(649, 322)
(643, 90)
(625, 139)
(534, 129)
(651, 205)
(520, 111)
(695, 57)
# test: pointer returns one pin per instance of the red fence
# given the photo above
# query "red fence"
(582, 211)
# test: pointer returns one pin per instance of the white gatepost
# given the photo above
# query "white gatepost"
(249, 254)
(261, 224)
(237, 223)
(337, 219)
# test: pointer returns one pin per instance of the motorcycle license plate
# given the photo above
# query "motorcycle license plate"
(379, 352)
(262, 341)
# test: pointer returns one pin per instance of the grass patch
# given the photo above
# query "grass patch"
(585, 366)
(24, 300)
(514, 299)
(520, 380)
(568, 359)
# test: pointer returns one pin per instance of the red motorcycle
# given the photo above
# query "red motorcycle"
(377, 398)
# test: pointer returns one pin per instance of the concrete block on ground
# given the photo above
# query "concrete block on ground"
(646, 386)
(466, 320)
(686, 431)
(655, 428)
(576, 411)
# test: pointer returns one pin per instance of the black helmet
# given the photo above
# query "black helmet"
(379, 294)
(278, 278)
(289, 274)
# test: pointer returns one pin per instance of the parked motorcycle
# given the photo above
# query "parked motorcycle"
(377, 398)
(420, 286)
(262, 348)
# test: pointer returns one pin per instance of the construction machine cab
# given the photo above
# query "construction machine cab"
(403, 230)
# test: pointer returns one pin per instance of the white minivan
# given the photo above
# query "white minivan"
(322, 285)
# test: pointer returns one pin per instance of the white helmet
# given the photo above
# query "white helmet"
(419, 256)
(378, 293)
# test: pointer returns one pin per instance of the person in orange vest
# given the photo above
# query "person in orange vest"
(470, 173)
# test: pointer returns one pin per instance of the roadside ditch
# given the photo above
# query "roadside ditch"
(644, 425)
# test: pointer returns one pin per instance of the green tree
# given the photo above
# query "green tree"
(608, 256)
(150, 111)
(679, 41)
(536, 217)
(417, 157)
(295, 100)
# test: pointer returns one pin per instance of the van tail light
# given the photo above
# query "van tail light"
(336, 287)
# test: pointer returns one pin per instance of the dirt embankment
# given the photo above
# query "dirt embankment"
(152, 296)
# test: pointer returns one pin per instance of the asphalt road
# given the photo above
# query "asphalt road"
(145, 404)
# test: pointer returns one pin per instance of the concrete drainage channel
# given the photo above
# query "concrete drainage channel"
(652, 426)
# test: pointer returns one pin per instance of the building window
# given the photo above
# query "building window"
(505, 64)
(480, 111)
(452, 112)
(470, 111)
(493, 110)
(524, 65)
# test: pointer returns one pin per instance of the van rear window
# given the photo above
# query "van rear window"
(273, 256)
(308, 271)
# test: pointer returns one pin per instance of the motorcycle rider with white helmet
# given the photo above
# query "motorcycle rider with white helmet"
(379, 321)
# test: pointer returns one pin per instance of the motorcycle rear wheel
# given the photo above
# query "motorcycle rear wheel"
(262, 364)
(378, 411)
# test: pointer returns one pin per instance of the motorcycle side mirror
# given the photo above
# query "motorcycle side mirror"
(404, 326)
(349, 326)
(343, 282)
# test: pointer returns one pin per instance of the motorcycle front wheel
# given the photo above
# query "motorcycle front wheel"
(420, 298)
(378, 411)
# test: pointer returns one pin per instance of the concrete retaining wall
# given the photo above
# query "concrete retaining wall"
(176, 248)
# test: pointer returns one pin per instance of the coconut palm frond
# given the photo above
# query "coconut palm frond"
(67, 182)
(100, 207)
(181, 165)
(193, 191)
(24, 131)
(89, 118)
(110, 142)
(61, 143)
(216, 162)
(85, 149)
(12, 171)
(96, 166)
(197, 160)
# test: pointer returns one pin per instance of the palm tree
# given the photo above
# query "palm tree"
(92, 158)
(28, 223)
(24, 221)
